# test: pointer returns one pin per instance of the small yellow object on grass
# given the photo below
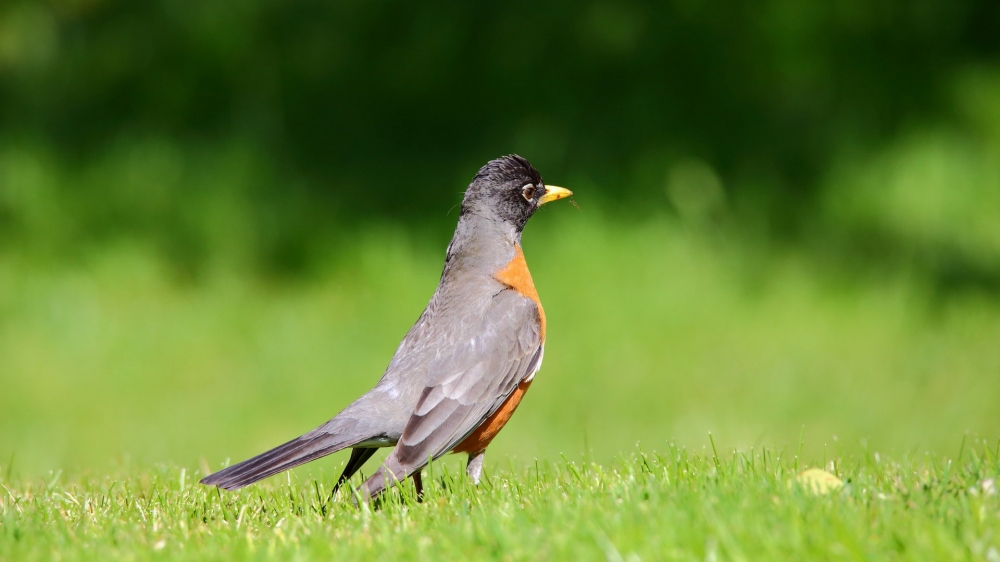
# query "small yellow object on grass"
(818, 481)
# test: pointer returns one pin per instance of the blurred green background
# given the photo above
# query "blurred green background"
(217, 219)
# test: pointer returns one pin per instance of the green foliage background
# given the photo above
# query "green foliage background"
(217, 219)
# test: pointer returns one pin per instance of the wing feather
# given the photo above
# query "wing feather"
(468, 386)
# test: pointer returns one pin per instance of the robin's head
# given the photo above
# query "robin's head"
(509, 189)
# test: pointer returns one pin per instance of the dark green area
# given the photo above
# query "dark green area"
(286, 123)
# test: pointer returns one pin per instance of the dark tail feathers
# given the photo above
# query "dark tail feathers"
(279, 459)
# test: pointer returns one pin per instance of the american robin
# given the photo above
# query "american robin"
(462, 369)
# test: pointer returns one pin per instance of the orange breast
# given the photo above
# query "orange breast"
(516, 276)
(479, 439)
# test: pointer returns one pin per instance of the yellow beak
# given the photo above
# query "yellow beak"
(553, 193)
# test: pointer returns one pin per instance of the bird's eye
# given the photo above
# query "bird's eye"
(528, 192)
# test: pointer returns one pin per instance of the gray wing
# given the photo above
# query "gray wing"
(468, 385)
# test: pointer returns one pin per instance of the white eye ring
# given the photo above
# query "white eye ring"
(528, 192)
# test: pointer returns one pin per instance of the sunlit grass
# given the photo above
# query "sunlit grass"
(672, 505)
(122, 382)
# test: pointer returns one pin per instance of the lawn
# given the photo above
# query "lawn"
(123, 383)
(673, 505)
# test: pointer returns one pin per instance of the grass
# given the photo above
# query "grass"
(677, 505)
(122, 385)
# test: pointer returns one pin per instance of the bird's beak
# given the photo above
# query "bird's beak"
(553, 193)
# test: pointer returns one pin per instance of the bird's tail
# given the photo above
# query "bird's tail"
(301, 450)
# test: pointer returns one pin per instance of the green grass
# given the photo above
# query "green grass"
(677, 505)
(114, 373)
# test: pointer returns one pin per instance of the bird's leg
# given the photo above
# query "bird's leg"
(359, 456)
(475, 467)
(418, 481)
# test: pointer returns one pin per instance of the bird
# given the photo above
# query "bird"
(462, 369)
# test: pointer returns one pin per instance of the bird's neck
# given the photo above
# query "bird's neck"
(482, 244)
